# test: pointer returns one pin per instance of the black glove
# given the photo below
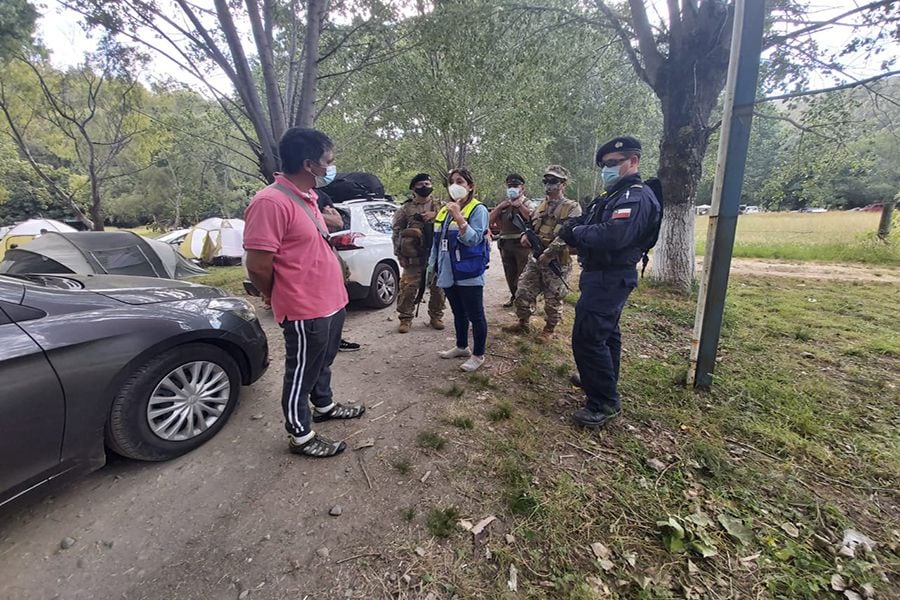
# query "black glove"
(566, 234)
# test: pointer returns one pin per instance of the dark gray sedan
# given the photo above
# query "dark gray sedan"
(149, 368)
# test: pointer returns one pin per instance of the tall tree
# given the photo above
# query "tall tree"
(92, 115)
(275, 89)
(684, 59)
(17, 19)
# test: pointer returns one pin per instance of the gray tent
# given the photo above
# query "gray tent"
(85, 252)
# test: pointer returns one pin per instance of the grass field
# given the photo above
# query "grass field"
(829, 237)
(745, 491)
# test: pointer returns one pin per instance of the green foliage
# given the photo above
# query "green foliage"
(431, 440)
(442, 522)
(17, 19)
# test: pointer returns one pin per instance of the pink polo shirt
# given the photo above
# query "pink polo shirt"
(308, 282)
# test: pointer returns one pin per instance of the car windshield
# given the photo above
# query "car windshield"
(50, 281)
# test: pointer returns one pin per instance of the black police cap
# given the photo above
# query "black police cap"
(515, 179)
(419, 177)
(626, 143)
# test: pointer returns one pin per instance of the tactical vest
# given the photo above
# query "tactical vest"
(548, 224)
(466, 262)
(412, 237)
(508, 231)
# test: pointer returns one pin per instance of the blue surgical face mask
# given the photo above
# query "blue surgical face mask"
(323, 180)
(610, 175)
(512, 193)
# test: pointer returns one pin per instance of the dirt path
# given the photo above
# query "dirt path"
(811, 270)
(241, 514)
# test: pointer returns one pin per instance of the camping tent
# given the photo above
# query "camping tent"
(215, 241)
(85, 252)
(30, 229)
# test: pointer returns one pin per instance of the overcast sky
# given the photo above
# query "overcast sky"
(59, 29)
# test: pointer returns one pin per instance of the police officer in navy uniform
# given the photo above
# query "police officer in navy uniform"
(611, 237)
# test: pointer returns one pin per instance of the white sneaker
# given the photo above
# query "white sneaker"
(472, 364)
(456, 353)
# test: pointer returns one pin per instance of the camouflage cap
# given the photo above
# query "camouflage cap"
(557, 171)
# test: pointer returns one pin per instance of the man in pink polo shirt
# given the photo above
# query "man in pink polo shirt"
(292, 264)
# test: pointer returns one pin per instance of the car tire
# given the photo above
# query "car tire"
(211, 380)
(384, 286)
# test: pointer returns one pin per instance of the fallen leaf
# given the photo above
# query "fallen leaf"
(606, 564)
(837, 583)
(366, 443)
(630, 558)
(853, 539)
(656, 464)
(466, 524)
(736, 528)
(600, 551)
(699, 518)
(851, 595)
(599, 587)
(479, 527)
(513, 582)
(790, 529)
(692, 568)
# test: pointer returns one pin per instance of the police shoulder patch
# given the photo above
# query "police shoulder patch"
(621, 213)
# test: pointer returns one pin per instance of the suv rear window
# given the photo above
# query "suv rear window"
(380, 218)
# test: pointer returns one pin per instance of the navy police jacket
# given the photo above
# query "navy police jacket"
(614, 231)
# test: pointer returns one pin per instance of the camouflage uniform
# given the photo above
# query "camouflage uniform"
(514, 254)
(538, 279)
(408, 238)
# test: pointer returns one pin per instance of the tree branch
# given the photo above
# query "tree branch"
(774, 41)
(625, 38)
(845, 86)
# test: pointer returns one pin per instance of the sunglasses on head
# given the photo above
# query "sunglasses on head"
(552, 180)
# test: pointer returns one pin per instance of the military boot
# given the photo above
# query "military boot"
(548, 331)
(521, 327)
(404, 326)
(436, 323)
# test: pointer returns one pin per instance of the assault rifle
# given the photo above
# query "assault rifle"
(537, 247)
(427, 242)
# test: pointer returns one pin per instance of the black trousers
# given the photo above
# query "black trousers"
(596, 339)
(309, 350)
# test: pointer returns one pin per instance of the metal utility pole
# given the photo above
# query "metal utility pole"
(740, 95)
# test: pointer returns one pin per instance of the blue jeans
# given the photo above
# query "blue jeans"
(467, 304)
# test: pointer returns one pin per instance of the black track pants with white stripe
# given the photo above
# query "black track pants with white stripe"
(309, 349)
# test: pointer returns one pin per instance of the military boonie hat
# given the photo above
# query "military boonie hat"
(625, 143)
(557, 171)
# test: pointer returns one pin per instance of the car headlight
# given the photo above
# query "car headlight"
(236, 306)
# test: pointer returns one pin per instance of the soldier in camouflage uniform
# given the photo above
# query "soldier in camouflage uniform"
(409, 229)
(514, 254)
(537, 278)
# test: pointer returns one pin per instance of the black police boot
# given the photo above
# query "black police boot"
(595, 420)
(575, 380)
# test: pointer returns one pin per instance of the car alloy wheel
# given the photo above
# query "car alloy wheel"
(188, 401)
(386, 284)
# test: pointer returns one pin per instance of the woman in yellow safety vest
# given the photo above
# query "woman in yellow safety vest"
(459, 258)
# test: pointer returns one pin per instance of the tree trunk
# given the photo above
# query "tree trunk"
(315, 13)
(96, 207)
(887, 213)
(681, 153)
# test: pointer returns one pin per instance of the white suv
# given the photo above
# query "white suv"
(365, 245)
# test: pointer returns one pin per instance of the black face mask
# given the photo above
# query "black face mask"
(424, 192)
